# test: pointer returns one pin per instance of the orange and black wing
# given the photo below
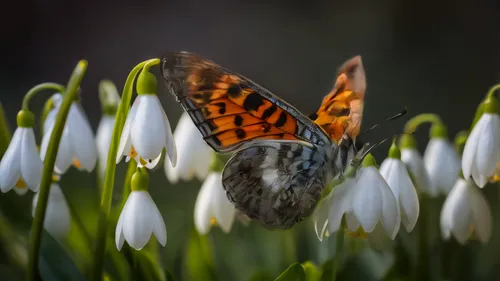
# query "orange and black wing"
(230, 109)
(341, 111)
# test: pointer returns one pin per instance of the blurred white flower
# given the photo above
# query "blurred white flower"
(21, 166)
(57, 220)
(146, 132)
(466, 212)
(442, 164)
(195, 155)
(395, 174)
(482, 149)
(212, 206)
(103, 140)
(415, 165)
(138, 220)
(77, 144)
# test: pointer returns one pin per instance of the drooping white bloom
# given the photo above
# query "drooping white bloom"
(330, 210)
(146, 132)
(415, 165)
(77, 144)
(442, 164)
(21, 166)
(195, 155)
(138, 220)
(212, 206)
(482, 149)
(57, 216)
(103, 140)
(373, 202)
(395, 174)
(465, 212)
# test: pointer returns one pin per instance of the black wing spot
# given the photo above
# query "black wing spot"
(238, 120)
(268, 112)
(234, 91)
(240, 133)
(253, 101)
(222, 107)
(281, 120)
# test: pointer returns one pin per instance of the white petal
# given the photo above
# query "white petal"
(391, 216)
(81, 138)
(488, 145)
(65, 155)
(340, 203)
(152, 164)
(481, 214)
(103, 140)
(119, 237)
(159, 228)
(169, 138)
(351, 221)
(442, 164)
(223, 210)
(20, 191)
(31, 164)
(148, 129)
(470, 149)
(125, 142)
(321, 216)
(57, 217)
(415, 165)
(367, 199)
(460, 212)
(445, 217)
(203, 211)
(10, 169)
(399, 181)
(137, 221)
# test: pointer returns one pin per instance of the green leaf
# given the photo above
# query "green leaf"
(261, 276)
(293, 273)
(312, 272)
(169, 276)
(147, 266)
(199, 259)
(55, 264)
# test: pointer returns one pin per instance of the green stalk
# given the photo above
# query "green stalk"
(48, 168)
(5, 134)
(339, 247)
(413, 123)
(107, 193)
(38, 88)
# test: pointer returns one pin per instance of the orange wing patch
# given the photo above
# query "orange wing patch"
(341, 111)
(229, 112)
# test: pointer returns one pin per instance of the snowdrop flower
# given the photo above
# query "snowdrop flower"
(103, 140)
(147, 129)
(414, 163)
(466, 212)
(367, 201)
(482, 148)
(212, 206)
(57, 216)
(195, 155)
(21, 166)
(140, 217)
(394, 172)
(441, 161)
(77, 146)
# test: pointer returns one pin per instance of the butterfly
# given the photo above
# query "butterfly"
(282, 159)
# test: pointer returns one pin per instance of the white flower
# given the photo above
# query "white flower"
(77, 144)
(146, 132)
(195, 155)
(465, 212)
(57, 216)
(415, 165)
(482, 149)
(21, 166)
(212, 206)
(332, 208)
(442, 165)
(138, 220)
(372, 202)
(395, 174)
(103, 140)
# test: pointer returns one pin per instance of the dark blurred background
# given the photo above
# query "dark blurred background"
(428, 56)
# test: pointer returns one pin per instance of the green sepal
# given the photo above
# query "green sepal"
(394, 151)
(25, 119)
(140, 180)
(146, 83)
(491, 105)
(438, 130)
(460, 140)
(369, 161)
(407, 141)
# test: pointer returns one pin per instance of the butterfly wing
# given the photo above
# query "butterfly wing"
(231, 110)
(276, 182)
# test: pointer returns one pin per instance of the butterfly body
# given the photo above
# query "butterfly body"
(282, 159)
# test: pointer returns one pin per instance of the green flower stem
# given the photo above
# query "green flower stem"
(5, 133)
(339, 252)
(492, 90)
(127, 183)
(109, 179)
(422, 267)
(412, 124)
(38, 88)
(48, 168)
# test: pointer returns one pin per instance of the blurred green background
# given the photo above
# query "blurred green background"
(428, 56)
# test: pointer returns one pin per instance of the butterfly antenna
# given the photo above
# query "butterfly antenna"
(393, 117)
